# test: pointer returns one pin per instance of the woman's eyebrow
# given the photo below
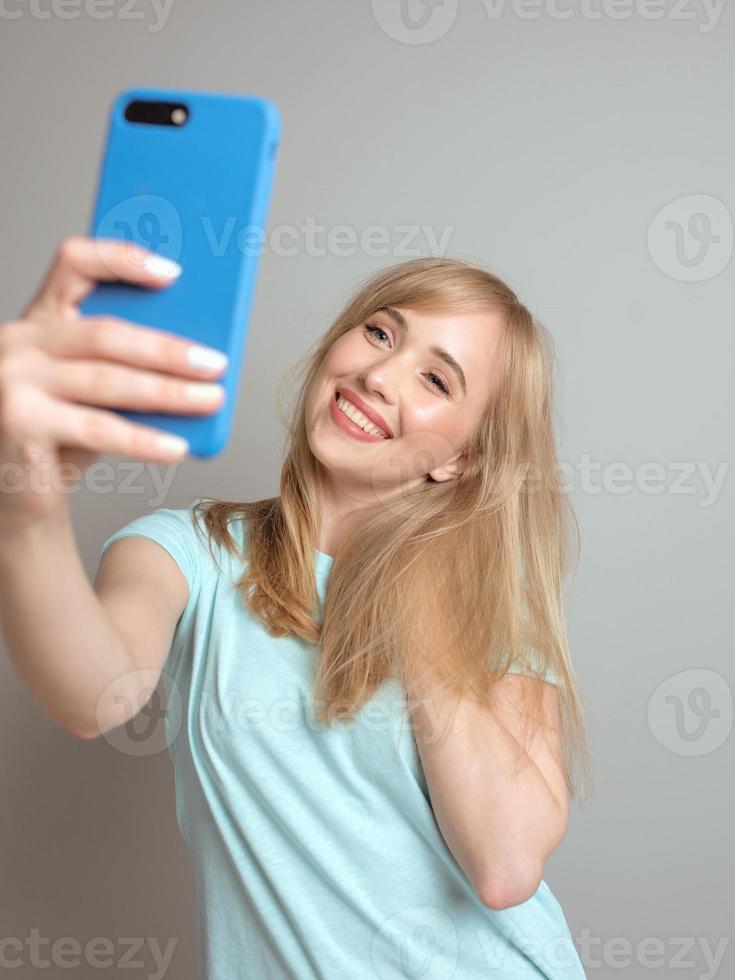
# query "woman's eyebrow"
(400, 319)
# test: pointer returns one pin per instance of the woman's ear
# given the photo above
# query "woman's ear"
(449, 470)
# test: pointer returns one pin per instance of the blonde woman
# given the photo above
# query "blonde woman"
(379, 727)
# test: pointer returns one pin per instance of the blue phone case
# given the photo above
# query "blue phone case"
(197, 193)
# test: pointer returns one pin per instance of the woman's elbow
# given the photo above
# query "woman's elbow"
(500, 891)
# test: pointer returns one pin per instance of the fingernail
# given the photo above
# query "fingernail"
(202, 392)
(206, 357)
(172, 444)
(161, 266)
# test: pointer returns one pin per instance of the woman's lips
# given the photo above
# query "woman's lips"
(372, 413)
(347, 425)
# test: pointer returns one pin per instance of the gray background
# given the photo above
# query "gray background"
(548, 147)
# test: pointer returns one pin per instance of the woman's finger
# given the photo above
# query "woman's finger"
(94, 429)
(81, 261)
(115, 386)
(114, 339)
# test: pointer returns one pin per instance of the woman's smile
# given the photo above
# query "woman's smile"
(348, 425)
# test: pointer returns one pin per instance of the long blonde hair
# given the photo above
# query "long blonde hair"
(454, 581)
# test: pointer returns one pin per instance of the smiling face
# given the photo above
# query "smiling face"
(392, 364)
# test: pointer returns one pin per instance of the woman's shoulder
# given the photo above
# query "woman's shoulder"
(174, 529)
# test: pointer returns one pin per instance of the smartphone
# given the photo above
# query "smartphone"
(189, 176)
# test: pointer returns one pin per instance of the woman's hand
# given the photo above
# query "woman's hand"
(55, 363)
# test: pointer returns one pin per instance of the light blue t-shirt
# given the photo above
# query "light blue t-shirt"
(316, 850)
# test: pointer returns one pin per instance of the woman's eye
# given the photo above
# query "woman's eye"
(434, 379)
(373, 329)
(438, 383)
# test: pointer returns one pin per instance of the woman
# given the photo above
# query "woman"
(376, 726)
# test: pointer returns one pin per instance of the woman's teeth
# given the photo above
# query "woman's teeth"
(359, 419)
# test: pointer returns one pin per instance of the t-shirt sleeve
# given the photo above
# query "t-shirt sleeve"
(174, 530)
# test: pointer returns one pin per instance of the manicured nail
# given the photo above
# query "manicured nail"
(205, 393)
(172, 444)
(206, 357)
(161, 266)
